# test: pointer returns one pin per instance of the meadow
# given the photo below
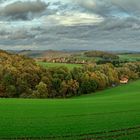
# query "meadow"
(110, 114)
(130, 57)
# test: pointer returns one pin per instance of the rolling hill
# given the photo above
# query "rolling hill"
(110, 114)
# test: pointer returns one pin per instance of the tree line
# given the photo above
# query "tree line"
(101, 54)
(22, 77)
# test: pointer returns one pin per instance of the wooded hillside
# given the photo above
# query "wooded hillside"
(23, 77)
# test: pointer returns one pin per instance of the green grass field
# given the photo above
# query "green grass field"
(108, 115)
(69, 66)
(130, 57)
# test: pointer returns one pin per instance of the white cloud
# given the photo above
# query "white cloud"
(112, 7)
(71, 24)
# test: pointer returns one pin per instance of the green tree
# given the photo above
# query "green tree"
(41, 91)
(88, 86)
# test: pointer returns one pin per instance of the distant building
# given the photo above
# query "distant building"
(124, 80)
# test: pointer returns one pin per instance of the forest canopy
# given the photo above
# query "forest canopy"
(22, 77)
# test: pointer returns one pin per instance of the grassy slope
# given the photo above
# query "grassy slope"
(69, 66)
(130, 57)
(110, 114)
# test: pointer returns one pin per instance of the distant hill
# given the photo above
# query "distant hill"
(44, 53)
(67, 53)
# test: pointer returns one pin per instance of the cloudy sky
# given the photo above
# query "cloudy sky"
(70, 24)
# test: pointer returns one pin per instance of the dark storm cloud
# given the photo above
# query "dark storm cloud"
(23, 9)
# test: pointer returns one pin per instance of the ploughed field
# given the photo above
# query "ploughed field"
(109, 114)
